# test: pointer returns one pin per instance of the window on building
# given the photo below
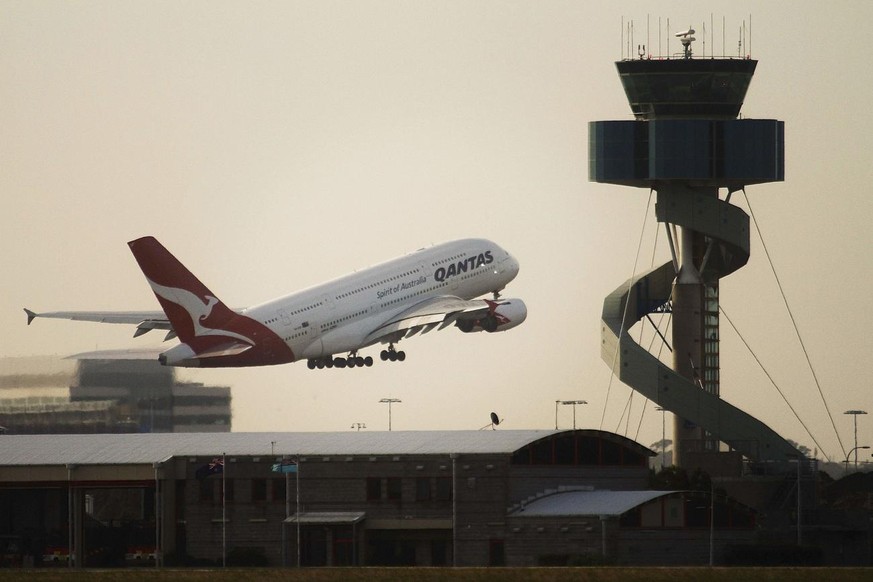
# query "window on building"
(394, 488)
(207, 490)
(422, 489)
(278, 487)
(610, 452)
(259, 490)
(444, 489)
(374, 488)
(565, 449)
(542, 452)
(227, 484)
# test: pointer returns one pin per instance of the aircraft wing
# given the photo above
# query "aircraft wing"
(425, 316)
(143, 320)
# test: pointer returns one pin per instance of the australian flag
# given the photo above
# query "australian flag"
(214, 467)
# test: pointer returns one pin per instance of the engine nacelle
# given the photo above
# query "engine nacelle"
(503, 314)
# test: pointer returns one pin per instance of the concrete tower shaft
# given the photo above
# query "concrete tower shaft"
(687, 144)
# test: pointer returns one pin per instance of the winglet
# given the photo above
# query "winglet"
(30, 315)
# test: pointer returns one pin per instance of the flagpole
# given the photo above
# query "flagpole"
(223, 513)
(297, 515)
(287, 515)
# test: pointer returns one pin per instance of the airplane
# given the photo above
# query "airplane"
(432, 288)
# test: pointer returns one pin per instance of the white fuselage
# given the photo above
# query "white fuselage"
(337, 316)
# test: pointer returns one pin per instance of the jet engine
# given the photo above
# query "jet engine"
(502, 314)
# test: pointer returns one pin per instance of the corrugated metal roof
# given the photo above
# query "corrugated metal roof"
(587, 503)
(118, 449)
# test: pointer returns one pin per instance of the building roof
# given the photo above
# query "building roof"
(121, 449)
(580, 503)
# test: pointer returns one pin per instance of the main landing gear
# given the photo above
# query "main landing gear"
(392, 355)
(353, 361)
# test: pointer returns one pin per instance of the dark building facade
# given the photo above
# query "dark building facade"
(466, 498)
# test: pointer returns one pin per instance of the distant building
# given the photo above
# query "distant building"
(106, 392)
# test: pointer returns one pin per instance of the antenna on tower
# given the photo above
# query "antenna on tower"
(686, 38)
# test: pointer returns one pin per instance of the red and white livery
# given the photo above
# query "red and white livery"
(327, 324)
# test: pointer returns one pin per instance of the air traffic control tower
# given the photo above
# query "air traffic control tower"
(687, 144)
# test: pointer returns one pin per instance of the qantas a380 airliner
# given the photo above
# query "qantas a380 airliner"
(327, 324)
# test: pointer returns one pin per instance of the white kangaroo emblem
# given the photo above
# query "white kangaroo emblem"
(197, 310)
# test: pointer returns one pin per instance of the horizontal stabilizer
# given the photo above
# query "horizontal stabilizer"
(231, 349)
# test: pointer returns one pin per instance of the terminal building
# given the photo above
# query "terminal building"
(425, 498)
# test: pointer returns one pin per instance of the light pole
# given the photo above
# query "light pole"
(855, 414)
(663, 412)
(855, 450)
(389, 402)
(557, 402)
(573, 403)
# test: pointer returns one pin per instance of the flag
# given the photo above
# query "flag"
(214, 467)
(286, 466)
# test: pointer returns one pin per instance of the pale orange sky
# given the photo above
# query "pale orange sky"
(273, 145)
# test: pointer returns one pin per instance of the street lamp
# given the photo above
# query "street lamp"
(573, 403)
(856, 456)
(389, 402)
(855, 414)
(557, 402)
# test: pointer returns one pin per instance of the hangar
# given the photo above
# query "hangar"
(429, 498)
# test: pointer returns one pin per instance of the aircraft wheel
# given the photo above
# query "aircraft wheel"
(384, 355)
(320, 364)
(339, 362)
(401, 355)
(359, 362)
(368, 361)
(310, 363)
(328, 362)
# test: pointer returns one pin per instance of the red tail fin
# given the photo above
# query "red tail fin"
(215, 335)
(189, 305)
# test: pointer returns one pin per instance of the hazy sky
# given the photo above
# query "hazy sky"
(274, 145)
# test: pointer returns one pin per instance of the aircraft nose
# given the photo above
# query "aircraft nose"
(511, 265)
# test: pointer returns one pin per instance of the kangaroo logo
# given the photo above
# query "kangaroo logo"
(198, 310)
(492, 311)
